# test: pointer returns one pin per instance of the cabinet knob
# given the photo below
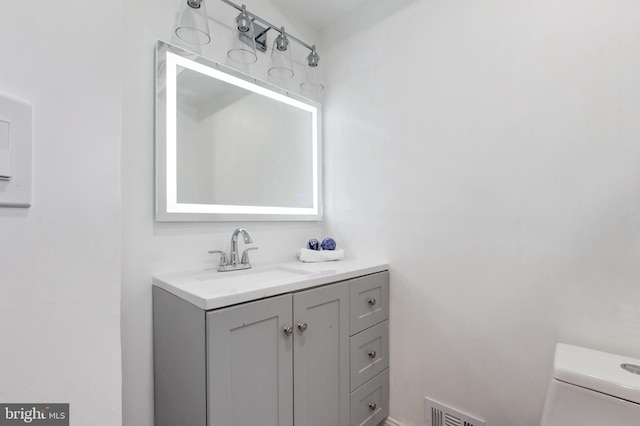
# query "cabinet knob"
(372, 354)
(372, 301)
(288, 330)
(302, 326)
(373, 406)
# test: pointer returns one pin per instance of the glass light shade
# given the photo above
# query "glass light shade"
(193, 22)
(242, 48)
(281, 59)
(312, 82)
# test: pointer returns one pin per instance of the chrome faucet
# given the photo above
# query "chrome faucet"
(234, 243)
(232, 263)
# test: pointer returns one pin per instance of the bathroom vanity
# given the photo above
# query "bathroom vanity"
(280, 345)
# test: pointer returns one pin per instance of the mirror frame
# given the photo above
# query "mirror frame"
(168, 209)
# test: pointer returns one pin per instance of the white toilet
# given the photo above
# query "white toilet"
(591, 388)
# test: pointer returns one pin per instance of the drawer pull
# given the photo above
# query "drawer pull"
(373, 406)
(302, 326)
(372, 301)
(288, 330)
(372, 354)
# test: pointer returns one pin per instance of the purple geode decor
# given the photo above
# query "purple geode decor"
(328, 244)
(314, 244)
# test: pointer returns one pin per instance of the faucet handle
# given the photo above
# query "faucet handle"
(223, 256)
(245, 255)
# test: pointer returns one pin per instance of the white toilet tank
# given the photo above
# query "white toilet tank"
(591, 388)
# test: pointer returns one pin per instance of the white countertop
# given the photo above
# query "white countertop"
(210, 289)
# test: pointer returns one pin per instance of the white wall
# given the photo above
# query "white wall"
(60, 259)
(490, 150)
(502, 181)
(150, 247)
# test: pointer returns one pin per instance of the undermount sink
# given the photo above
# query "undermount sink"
(250, 276)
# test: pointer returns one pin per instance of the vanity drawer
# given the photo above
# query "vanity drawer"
(370, 402)
(369, 301)
(369, 353)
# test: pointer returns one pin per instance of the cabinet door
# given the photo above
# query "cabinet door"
(249, 360)
(321, 356)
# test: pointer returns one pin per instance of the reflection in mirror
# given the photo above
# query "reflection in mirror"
(229, 147)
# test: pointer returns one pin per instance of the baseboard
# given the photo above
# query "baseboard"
(390, 422)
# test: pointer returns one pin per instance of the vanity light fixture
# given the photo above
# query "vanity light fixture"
(254, 38)
(193, 22)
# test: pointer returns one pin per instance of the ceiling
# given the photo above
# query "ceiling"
(317, 13)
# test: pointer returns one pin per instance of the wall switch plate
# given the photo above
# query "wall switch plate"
(5, 150)
(15, 153)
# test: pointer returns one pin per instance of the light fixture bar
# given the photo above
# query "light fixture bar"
(268, 24)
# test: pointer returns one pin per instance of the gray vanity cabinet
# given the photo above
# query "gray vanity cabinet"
(316, 357)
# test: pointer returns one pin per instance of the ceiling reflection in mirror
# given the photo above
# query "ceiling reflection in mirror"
(230, 147)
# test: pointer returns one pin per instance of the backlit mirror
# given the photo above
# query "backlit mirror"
(231, 147)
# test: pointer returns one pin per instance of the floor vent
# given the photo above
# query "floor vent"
(437, 414)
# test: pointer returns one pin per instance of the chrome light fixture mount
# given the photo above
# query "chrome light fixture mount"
(245, 24)
(243, 21)
(282, 42)
(260, 34)
(313, 58)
